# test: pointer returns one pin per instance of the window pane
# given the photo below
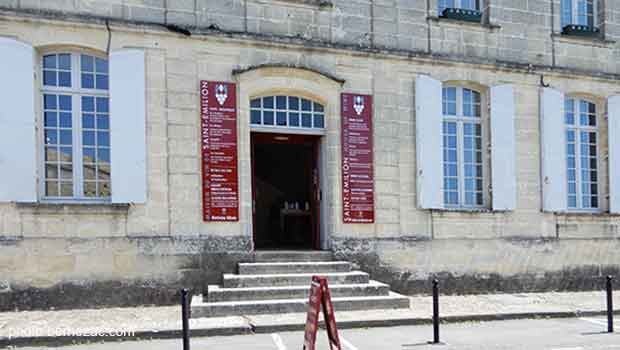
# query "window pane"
(101, 66)
(104, 189)
(306, 119)
(50, 119)
(49, 77)
(281, 102)
(88, 121)
(51, 188)
(306, 105)
(281, 118)
(319, 121)
(293, 103)
(103, 121)
(64, 79)
(268, 117)
(255, 117)
(318, 107)
(49, 61)
(66, 137)
(567, 12)
(103, 138)
(87, 63)
(294, 119)
(103, 155)
(102, 105)
(255, 103)
(88, 81)
(268, 102)
(88, 138)
(90, 189)
(88, 104)
(88, 155)
(66, 189)
(101, 82)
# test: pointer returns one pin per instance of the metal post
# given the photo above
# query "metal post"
(435, 311)
(185, 317)
(610, 305)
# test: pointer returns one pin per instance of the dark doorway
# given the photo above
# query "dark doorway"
(285, 191)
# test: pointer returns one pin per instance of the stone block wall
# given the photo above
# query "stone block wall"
(526, 32)
(52, 254)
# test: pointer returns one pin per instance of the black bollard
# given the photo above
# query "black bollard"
(185, 317)
(435, 311)
(610, 305)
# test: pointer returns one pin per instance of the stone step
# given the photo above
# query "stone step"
(316, 267)
(292, 279)
(292, 255)
(236, 308)
(218, 294)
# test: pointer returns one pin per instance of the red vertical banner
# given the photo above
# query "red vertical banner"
(218, 130)
(358, 199)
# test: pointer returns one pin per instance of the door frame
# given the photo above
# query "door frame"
(314, 141)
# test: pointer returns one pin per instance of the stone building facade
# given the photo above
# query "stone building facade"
(517, 70)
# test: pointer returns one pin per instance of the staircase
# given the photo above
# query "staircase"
(279, 282)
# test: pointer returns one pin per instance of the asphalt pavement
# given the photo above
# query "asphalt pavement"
(550, 334)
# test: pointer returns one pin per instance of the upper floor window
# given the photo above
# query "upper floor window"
(474, 5)
(287, 112)
(578, 12)
(582, 154)
(463, 179)
(76, 126)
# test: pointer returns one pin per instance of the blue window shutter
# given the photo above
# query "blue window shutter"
(553, 145)
(503, 154)
(428, 121)
(613, 113)
(128, 126)
(18, 146)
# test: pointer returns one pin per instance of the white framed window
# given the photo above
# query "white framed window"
(287, 112)
(579, 12)
(582, 162)
(475, 5)
(75, 126)
(463, 160)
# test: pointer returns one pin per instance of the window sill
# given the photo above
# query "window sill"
(597, 41)
(466, 210)
(485, 26)
(68, 207)
(322, 4)
(569, 214)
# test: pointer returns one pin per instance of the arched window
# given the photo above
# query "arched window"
(76, 126)
(287, 112)
(462, 148)
(582, 154)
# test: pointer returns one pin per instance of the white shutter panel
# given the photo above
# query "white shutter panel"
(503, 155)
(553, 139)
(128, 126)
(613, 117)
(429, 157)
(18, 146)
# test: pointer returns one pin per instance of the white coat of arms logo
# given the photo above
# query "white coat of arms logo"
(221, 93)
(358, 104)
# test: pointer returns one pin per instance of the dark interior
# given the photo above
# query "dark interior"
(283, 175)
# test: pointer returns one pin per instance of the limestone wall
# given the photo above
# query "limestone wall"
(514, 31)
(51, 250)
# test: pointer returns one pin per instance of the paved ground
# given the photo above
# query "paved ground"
(61, 327)
(167, 318)
(551, 334)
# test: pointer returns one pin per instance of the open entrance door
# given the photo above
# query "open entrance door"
(285, 191)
